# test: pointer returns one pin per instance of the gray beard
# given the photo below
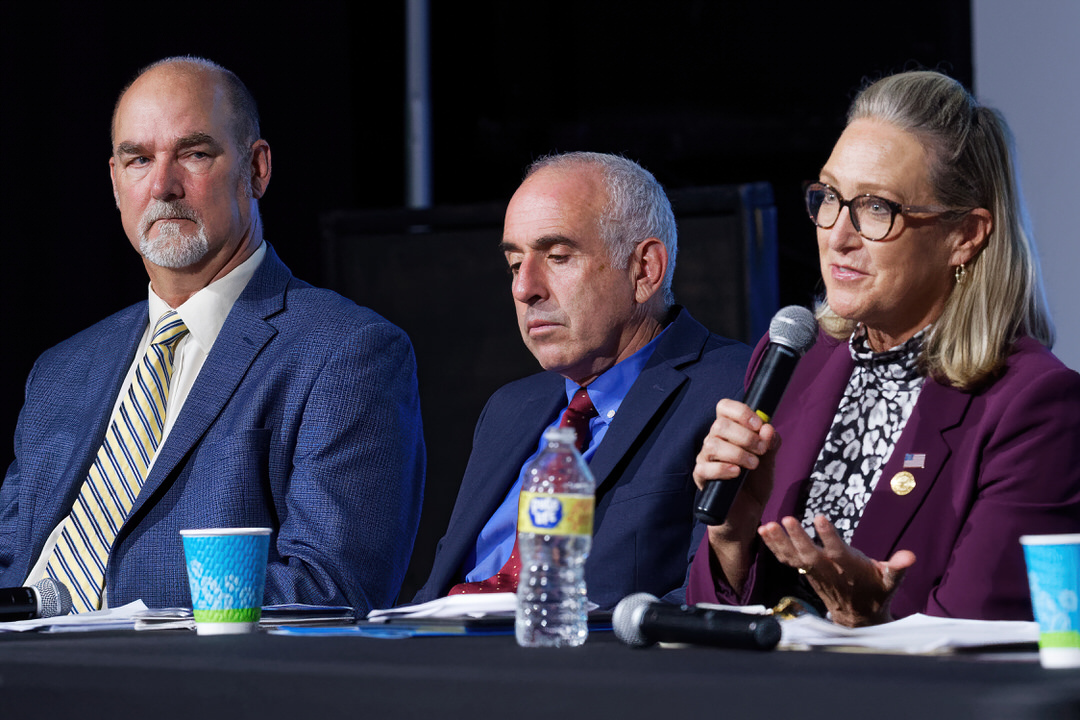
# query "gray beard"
(172, 248)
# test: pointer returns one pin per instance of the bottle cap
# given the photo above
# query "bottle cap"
(560, 435)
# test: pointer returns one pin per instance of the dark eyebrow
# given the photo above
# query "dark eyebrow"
(198, 138)
(130, 148)
(184, 143)
(542, 243)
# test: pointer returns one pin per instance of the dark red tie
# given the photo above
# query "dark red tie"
(576, 416)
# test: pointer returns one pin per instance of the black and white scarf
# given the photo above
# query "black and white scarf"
(875, 408)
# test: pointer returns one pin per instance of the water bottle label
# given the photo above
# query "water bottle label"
(555, 514)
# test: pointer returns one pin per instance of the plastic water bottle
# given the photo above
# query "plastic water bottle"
(555, 518)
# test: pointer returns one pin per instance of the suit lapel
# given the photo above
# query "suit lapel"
(515, 442)
(243, 336)
(225, 367)
(659, 380)
(494, 473)
(890, 509)
(646, 396)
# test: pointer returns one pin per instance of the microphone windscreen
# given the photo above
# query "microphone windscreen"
(626, 619)
(53, 598)
(795, 327)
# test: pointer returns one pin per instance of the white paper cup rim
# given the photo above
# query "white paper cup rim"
(225, 628)
(214, 532)
(1064, 539)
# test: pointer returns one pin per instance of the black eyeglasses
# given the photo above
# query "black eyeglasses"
(872, 216)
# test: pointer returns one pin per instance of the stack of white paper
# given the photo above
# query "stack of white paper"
(121, 618)
(917, 634)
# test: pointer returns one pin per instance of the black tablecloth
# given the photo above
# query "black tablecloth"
(159, 675)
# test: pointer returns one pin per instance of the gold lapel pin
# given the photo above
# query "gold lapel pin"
(902, 483)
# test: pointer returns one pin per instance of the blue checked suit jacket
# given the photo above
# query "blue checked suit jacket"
(643, 530)
(304, 419)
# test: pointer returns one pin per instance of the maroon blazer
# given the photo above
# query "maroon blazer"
(999, 463)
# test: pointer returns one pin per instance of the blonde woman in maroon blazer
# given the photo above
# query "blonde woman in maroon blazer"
(930, 426)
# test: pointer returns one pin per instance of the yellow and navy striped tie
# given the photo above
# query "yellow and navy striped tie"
(118, 472)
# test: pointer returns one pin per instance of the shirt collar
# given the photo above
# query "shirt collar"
(899, 361)
(204, 312)
(608, 390)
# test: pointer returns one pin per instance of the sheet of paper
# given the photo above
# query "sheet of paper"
(745, 609)
(473, 605)
(165, 619)
(120, 618)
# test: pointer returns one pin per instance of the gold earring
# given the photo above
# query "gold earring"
(959, 273)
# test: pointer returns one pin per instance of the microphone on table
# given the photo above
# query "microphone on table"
(792, 332)
(45, 599)
(641, 620)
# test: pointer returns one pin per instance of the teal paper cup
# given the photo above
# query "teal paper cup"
(227, 573)
(1053, 565)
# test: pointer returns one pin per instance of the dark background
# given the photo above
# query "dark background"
(701, 92)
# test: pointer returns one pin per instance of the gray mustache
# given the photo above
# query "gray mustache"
(161, 210)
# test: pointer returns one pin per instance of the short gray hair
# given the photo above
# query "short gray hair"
(636, 209)
(971, 166)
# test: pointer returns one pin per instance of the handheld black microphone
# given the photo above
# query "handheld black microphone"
(641, 620)
(45, 599)
(792, 332)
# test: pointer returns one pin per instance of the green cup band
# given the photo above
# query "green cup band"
(1069, 639)
(226, 616)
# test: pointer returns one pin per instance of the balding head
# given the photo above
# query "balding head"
(244, 114)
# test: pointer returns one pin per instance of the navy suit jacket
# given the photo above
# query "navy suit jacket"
(1000, 463)
(304, 418)
(644, 528)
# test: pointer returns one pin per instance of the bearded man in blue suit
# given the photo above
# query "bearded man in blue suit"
(288, 406)
(590, 241)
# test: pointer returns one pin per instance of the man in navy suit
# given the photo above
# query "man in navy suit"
(590, 242)
(288, 407)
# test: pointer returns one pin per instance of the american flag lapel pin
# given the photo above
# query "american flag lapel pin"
(914, 460)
